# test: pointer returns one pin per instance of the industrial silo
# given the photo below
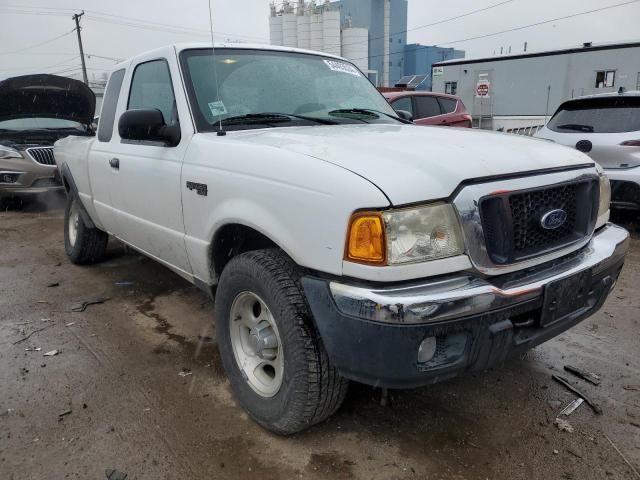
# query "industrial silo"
(316, 31)
(355, 46)
(275, 30)
(331, 32)
(304, 30)
(290, 30)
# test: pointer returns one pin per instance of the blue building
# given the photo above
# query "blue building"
(370, 14)
(420, 58)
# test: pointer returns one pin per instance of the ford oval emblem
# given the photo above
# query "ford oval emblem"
(553, 219)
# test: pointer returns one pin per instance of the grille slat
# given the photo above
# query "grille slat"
(42, 155)
(512, 221)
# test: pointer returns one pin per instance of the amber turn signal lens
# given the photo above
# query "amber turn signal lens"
(366, 239)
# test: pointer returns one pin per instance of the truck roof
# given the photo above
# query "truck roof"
(179, 47)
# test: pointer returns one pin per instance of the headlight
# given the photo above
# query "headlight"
(605, 197)
(405, 236)
(8, 152)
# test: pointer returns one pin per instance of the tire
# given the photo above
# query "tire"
(310, 390)
(82, 244)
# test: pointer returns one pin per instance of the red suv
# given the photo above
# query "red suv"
(428, 108)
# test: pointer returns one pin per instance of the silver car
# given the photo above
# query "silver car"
(607, 128)
(35, 111)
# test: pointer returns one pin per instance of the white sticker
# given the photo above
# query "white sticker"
(217, 108)
(343, 67)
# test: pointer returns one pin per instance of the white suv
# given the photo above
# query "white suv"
(607, 128)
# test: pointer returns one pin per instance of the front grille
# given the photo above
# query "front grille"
(42, 155)
(512, 221)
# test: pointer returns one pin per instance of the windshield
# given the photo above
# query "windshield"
(22, 124)
(598, 115)
(310, 89)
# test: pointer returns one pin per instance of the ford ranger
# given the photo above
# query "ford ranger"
(340, 241)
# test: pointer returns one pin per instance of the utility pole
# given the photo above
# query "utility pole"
(76, 17)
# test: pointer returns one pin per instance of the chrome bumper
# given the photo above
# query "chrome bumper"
(465, 295)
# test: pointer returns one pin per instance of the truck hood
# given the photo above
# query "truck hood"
(412, 163)
(46, 96)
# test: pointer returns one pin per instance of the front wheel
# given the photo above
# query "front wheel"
(83, 245)
(273, 356)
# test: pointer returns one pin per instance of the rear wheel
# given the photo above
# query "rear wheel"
(83, 245)
(273, 356)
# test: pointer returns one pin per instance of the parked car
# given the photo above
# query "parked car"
(340, 241)
(35, 111)
(429, 108)
(607, 128)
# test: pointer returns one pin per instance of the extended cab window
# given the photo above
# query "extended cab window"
(108, 115)
(151, 88)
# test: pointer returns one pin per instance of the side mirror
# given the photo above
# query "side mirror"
(403, 114)
(147, 124)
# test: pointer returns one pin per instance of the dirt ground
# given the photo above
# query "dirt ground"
(113, 397)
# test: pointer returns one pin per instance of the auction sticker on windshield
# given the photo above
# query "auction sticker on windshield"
(217, 108)
(343, 67)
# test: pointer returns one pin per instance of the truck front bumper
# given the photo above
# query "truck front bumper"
(414, 334)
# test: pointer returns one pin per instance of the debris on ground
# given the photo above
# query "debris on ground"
(32, 349)
(29, 336)
(52, 353)
(53, 285)
(115, 475)
(70, 324)
(632, 388)
(124, 284)
(185, 372)
(572, 407)
(588, 376)
(64, 414)
(629, 464)
(7, 412)
(82, 306)
(563, 425)
(563, 381)
(43, 320)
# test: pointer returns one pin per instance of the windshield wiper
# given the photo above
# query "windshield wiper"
(370, 112)
(273, 117)
(577, 127)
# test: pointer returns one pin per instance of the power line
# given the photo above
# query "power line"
(39, 44)
(514, 29)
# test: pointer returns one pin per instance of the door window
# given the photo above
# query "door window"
(427, 107)
(151, 88)
(448, 104)
(451, 88)
(403, 104)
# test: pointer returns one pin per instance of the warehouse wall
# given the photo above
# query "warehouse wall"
(520, 86)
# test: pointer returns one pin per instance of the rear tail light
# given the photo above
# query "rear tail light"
(631, 143)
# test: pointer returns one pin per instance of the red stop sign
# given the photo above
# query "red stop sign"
(483, 90)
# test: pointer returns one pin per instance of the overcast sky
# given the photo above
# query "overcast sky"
(121, 28)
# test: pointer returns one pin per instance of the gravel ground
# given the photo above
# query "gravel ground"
(113, 397)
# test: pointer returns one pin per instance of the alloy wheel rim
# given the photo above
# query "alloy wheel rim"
(256, 344)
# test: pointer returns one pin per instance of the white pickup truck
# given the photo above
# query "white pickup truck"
(340, 241)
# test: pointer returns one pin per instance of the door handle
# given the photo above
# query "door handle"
(115, 163)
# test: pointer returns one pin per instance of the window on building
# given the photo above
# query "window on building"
(427, 107)
(605, 78)
(638, 82)
(399, 40)
(451, 88)
(403, 103)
